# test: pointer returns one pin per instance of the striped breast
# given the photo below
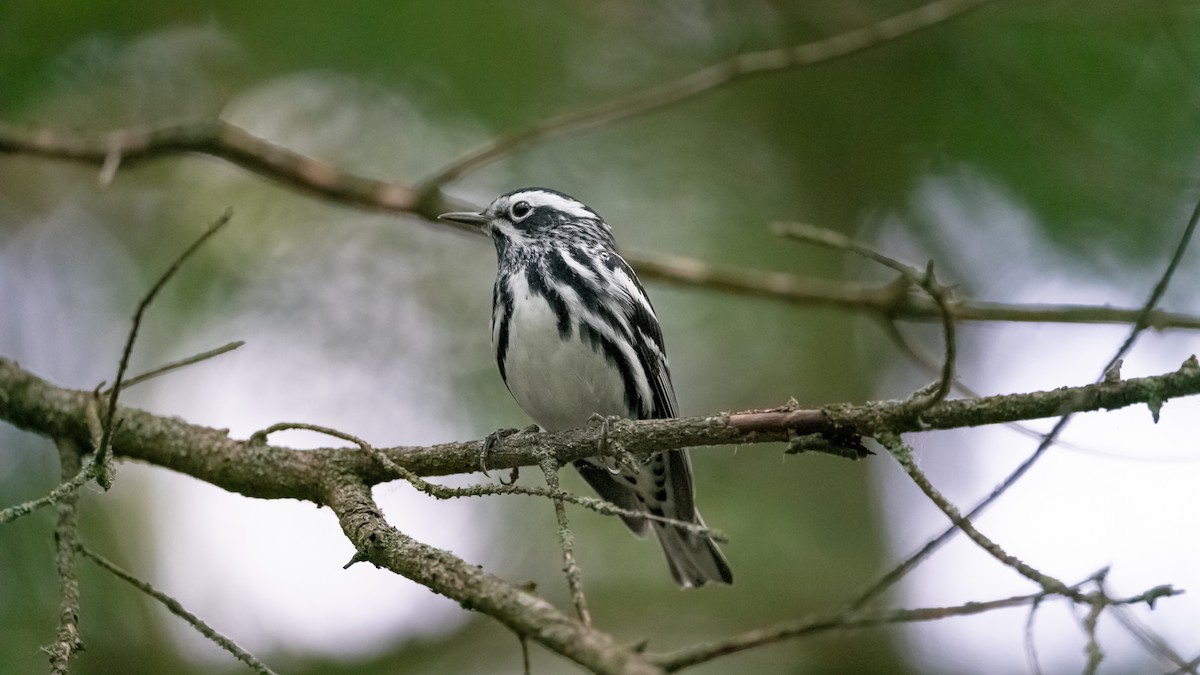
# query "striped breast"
(556, 369)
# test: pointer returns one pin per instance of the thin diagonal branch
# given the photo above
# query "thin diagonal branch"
(837, 621)
(182, 363)
(903, 455)
(706, 80)
(102, 448)
(1141, 323)
(176, 608)
(445, 574)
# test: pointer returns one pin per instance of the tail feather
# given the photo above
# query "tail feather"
(663, 487)
(694, 559)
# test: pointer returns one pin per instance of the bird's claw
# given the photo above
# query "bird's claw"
(490, 443)
(612, 456)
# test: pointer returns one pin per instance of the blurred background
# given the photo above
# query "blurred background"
(1038, 151)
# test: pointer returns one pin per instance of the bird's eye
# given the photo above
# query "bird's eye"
(520, 210)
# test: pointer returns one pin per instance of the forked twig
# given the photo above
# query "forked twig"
(103, 448)
(922, 400)
(1142, 322)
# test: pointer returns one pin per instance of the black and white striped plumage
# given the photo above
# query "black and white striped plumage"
(574, 336)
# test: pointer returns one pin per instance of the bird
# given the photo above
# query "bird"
(575, 337)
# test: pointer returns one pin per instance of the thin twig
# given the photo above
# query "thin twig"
(527, 667)
(1154, 644)
(1031, 654)
(53, 497)
(851, 620)
(176, 608)
(903, 455)
(925, 279)
(102, 449)
(838, 621)
(67, 641)
(439, 491)
(182, 363)
(567, 541)
(1092, 648)
(229, 142)
(889, 301)
(1140, 324)
(705, 80)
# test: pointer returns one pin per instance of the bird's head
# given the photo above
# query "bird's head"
(538, 218)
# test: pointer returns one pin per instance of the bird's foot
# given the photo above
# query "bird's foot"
(610, 454)
(493, 441)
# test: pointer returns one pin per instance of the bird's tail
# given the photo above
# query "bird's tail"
(694, 558)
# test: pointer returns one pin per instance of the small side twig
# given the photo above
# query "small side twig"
(567, 541)
(438, 491)
(1031, 655)
(707, 79)
(103, 448)
(1141, 323)
(838, 621)
(176, 608)
(55, 496)
(182, 363)
(903, 455)
(1092, 649)
(925, 279)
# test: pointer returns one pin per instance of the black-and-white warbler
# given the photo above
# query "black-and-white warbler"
(575, 336)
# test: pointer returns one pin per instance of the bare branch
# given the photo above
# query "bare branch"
(1141, 322)
(102, 448)
(176, 608)
(210, 137)
(922, 400)
(837, 621)
(226, 141)
(706, 80)
(890, 301)
(267, 471)
(182, 363)
(445, 574)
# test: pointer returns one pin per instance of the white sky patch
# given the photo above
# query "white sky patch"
(282, 559)
(1125, 499)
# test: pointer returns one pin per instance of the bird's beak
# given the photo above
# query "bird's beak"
(468, 218)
